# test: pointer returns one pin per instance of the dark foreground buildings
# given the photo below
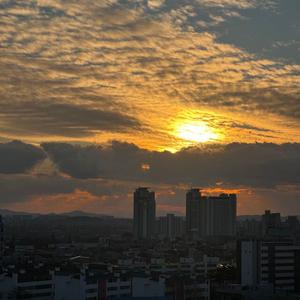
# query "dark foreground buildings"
(275, 261)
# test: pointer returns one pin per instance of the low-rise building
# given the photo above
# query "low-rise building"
(32, 283)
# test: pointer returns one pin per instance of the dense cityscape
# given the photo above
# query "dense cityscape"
(211, 253)
(149, 149)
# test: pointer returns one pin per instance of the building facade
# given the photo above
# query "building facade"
(34, 283)
(221, 215)
(174, 286)
(275, 261)
(144, 213)
(270, 220)
(195, 212)
(1, 242)
(210, 216)
(170, 226)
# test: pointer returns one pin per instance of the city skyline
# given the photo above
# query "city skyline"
(99, 97)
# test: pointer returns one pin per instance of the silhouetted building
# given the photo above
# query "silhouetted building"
(170, 226)
(179, 226)
(221, 215)
(144, 213)
(270, 220)
(1, 242)
(210, 216)
(162, 226)
(249, 228)
(293, 223)
(195, 212)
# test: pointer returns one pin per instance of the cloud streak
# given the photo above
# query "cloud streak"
(138, 64)
(67, 120)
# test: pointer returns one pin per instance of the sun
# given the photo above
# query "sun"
(196, 132)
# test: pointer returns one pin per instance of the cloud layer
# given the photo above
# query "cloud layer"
(61, 176)
(250, 165)
(17, 157)
(257, 165)
(136, 70)
(149, 75)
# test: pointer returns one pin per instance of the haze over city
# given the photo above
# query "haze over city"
(100, 97)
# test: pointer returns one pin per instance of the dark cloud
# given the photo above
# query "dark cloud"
(64, 119)
(247, 126)
(112, 162)
(18, 157)
(254, 165)
(16, 188)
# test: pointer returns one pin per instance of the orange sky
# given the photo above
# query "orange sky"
(155, 76)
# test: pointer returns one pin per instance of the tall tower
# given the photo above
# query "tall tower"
(270, 220)
(221, 215)
(210, 216)
(195, 211)
(1, 242)
(144, 213)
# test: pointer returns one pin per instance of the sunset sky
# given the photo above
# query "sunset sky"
(98, 97)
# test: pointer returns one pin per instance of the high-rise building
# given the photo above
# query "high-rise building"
(293, 223)
(210, 216)
(195, 212)
(170, 226)
(1, 242)
(221, 215)
(270, 220)
(162, 226)
(249, 228)
(179, 226)
(275, 261)
(144, 213)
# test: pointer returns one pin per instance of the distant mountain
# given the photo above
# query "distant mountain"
(7, 212)
(79, 213)
(76, 213)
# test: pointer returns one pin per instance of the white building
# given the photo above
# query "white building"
(35, 284)
(160, 279)
(269, 261)
(77, 286)
(144, 286)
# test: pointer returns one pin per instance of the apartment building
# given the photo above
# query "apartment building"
(275, 261)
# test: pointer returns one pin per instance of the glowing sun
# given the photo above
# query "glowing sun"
(196, 132)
